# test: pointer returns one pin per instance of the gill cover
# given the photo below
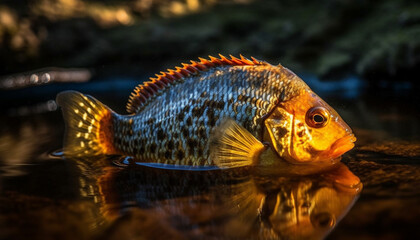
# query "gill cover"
(278, 131)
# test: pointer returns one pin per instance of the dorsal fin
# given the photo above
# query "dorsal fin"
(147, 90)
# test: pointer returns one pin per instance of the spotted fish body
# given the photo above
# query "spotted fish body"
(174, 116)
(175, 127)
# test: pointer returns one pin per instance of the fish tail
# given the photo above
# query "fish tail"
(89, 125)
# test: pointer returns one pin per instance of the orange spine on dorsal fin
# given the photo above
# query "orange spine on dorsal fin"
(255, 61)
(148, 90)
(235, 60)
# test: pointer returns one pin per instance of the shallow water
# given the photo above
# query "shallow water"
(43, 196)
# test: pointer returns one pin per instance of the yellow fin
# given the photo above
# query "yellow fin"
(88, 125)
(233, 146)
(244, 201)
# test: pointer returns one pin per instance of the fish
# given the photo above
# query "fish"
(222, 111)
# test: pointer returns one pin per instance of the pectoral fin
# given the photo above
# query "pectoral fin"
(233, 146)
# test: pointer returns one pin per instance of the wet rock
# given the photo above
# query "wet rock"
(385, 179)
(394, 148)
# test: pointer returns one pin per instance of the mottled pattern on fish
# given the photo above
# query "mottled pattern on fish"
(173, 125)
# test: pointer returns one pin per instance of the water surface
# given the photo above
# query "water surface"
(43, 196)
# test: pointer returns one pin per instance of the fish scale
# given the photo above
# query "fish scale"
(175, 127)
(223, 112)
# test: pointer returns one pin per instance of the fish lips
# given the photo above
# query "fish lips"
(339, 147)
(330, 155)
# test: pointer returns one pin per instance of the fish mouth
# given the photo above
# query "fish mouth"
(341, 146)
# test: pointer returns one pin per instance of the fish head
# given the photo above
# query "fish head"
(306, 129)
(311, 207)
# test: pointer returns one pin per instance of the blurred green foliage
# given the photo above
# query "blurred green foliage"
(378, 40)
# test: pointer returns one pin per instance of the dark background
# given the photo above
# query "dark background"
(378, 41)
(362, 56)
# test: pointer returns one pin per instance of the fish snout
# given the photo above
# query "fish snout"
(342, 145)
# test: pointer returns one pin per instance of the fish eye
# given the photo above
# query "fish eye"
(317, 117)
(322, 220)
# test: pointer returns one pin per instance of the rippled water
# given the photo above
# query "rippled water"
(45, 196)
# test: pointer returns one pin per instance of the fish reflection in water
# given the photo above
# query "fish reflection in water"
(148, 203)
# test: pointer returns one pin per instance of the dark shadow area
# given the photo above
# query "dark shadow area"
(362, 57)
